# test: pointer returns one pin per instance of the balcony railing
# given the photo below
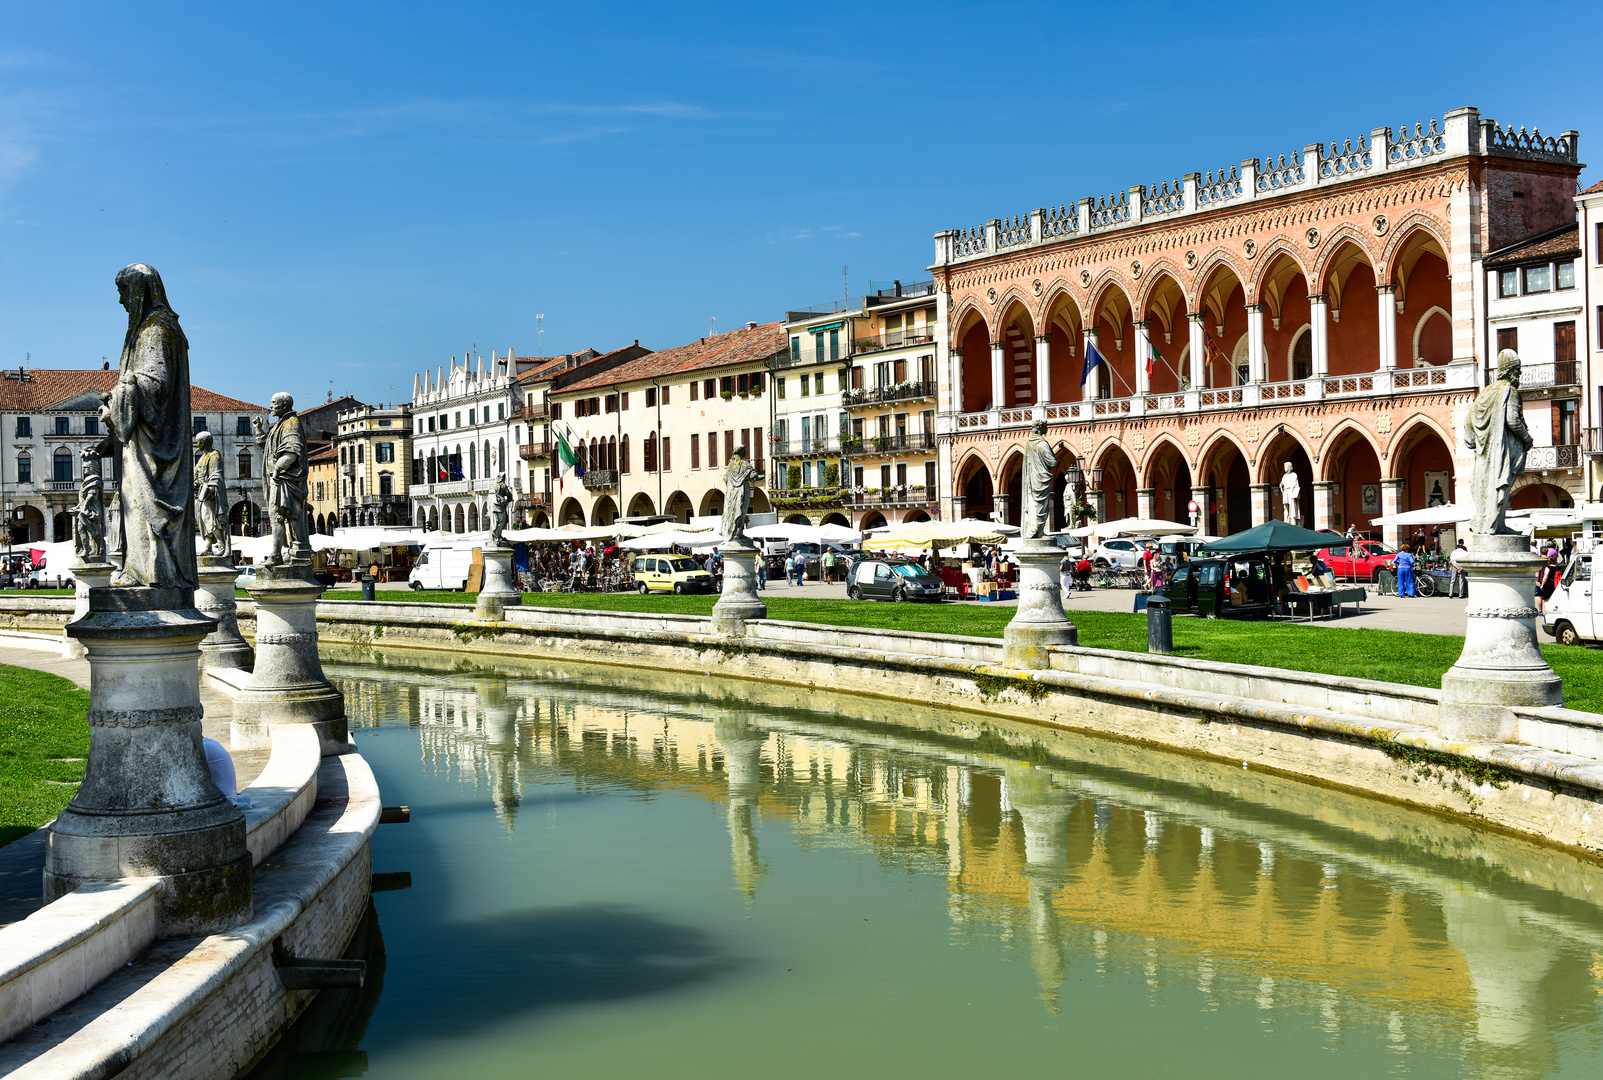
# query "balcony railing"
(807, 447)
(911, 495)
(533, 499)
(880, 395)
(529, 412)
(596, 479)
(895, 339)
(1538, 376)
(530, 450)
(1552, 457)
(1592, 441)
(806, 498)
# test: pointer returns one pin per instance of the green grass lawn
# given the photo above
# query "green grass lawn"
(44, 739)
(1388, 655)
(37, 592)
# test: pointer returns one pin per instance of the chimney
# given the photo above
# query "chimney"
(752, 325)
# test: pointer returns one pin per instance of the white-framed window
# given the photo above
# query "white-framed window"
(1538, 279)
(1566, 275)
(1508, 283)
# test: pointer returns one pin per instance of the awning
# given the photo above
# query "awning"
(1446, 514)
(1273, 535)
(945, 534)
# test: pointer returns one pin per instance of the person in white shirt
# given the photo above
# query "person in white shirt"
(1460, 585)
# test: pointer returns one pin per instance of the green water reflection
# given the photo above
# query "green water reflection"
(630, 873)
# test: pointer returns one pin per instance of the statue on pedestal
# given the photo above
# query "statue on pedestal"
(1291, 496)
(211, 502)
(1039, 465)
(739, 476)
(1495, 430)
(503, 501)
(146, 415)
(89, 529)
(284, 450)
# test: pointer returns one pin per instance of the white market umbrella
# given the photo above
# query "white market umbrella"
(663, 540)
(1446, 514)
(945, 534)
(805, 534)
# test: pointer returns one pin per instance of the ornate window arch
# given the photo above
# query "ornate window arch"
(1419, 327)
(1302, 339)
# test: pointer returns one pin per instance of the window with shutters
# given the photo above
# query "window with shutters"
(623, 455)
(665, 395)
(1508, 338)
(729, 443)
(709, 389)
(651, 398)
(1566, 420)
(712, 449)
(695, 391)
(757, 445)
(695, 451)
(649, 457)
(779, 386)
(624, 401)
(386, 484)
(929, 479)
(667, 453)
(244, 465)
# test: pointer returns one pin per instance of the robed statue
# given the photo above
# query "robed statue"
(1495, 430)
(1290, 496)
(146, 415)
(1039, 465)
(89, 528)
(211, 501)
(502, 514)
(284, 451)
(739, 476)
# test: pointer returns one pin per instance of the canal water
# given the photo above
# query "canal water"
(618, 873)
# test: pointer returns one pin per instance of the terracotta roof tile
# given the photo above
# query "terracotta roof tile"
(41, 388)
(1554, 244)
(1594, 189)
(722, 350)
(555, 365)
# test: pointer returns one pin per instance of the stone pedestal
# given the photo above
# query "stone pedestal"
(85, 576)
(1501, 666)
(738, 601)
(1039, 620)
(223, 647)
(287, 685)
(147, 806)
(498, 592)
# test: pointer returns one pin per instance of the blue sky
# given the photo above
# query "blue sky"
(339, 195)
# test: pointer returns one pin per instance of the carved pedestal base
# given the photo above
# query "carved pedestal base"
(1501, 666)
(498, 593)
(1039, 621)
(147, 806)
(287, 685)
(85, 576)
(738, 601)
(223, 647)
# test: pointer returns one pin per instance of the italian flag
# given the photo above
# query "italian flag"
(567, 460)
(1152, 357)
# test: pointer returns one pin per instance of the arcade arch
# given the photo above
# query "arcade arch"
(1168, 474)
(1063, 328)
(1018, 356)
(1272, 461)
(1223, 306)
(1118, 483)
(1282, 293)
(1115, 340)
(1424, 299)
(974, 361)
(678, 507)
(605, 511)
(640, 506)
(572, 512)
(1228, 480)
(974, 483)
(1421, 459)
(1165, 315)
(1349, 283)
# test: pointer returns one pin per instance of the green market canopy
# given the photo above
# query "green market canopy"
(1272, 535)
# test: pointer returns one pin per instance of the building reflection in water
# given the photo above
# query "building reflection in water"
(1373, 921)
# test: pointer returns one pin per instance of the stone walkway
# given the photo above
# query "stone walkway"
(22, 861)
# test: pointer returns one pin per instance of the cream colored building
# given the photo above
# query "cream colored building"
(655, 433)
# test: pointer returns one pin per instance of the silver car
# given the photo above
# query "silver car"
(1121, 553)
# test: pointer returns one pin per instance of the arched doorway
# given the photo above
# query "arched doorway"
(460, 524)
(572, 513)
(712, 504)
(473, 518)
(1538, 496)
(62, 528)
(640, 506)
(1118, 483)
(30, 528)
(434, 519)
(678, 507)
(975, 486)
(245, 519)
(1225, 473)
(1273, 463)
(1169, 476)
(1354, 329)
(871, 520)
(605, 512)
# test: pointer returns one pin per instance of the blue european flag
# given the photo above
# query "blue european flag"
(1092, 359)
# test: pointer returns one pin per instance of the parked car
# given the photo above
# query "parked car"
(1237, 587)
(246, 578)
(670, 573)
(1361, 560)
(1571, 613)
(1122, 553)
(893, 579)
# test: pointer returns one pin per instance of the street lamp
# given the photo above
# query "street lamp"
(1076, 476)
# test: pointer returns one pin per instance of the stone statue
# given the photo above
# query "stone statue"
(738, 479)
(211, 500)
(503, 501)
(1291, 496)
(147, 422)
(1495, 430)
(89, 532)
(1039, 465)
(284, 451)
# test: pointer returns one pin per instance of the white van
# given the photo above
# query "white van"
(443, 564)
(1571, 613)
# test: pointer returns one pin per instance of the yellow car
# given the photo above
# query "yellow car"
(670, 573)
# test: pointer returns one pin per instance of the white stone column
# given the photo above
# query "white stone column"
(1386, 297)
(1324, 504)
(1143, 382)
(1263, 507)
(999, 393)
(1043, 369)
(1038, 622)
(498, 592)
(1319, 320)
(287, 685)
(1199, 350)
(957, 380)
(223, 647)
(85, 576)
(1391, 502)
(1144, 500)
(1256, 366)
(738, 601)
(1093, 382)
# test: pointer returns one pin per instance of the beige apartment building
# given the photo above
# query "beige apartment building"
(655, 433)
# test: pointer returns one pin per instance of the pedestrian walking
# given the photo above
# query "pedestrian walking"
(1404, 564)
(799, 564)
(1460, 581)
(1547, 579)
(829, 564)
(762, 572)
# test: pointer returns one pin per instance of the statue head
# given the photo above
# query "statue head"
(203, 442)
(140, 291)
(90, 461)
(1038, 428)
(1287, 467)
(1508, 366)
(281, 405)
(740, 451)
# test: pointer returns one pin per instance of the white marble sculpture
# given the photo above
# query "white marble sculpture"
(502, 515)
(1291, 496)
(1495, 429)
(89, 528)
(739, 476)
(211, 502)
(146, 415)
(1039, 465)
(284, 449)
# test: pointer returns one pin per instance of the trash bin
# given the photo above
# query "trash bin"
(1160, 625)
(367, 587)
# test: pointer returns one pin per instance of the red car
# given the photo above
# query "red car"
(1363, 559)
